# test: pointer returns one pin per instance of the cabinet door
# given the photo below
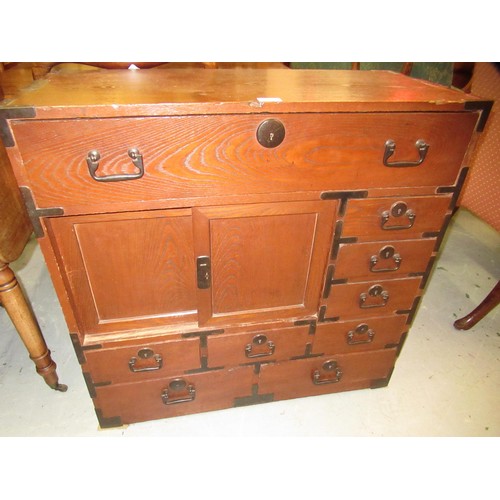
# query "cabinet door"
(128, 270)
(263, 261)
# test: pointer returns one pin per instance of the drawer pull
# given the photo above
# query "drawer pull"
(178, 391)
(375, 297)
(257, 341)
(361, 335)
(329, 373)
(94, 156)
(385, 253)
(146, 354)
(397, 210)
(390, 147)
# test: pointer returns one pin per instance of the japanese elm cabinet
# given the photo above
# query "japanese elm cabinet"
(220, 238)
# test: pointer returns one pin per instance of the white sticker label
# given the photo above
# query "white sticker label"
(263, 100)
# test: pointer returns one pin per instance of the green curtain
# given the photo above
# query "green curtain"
(437, 72)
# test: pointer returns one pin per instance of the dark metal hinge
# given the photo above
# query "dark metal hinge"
(484, 107)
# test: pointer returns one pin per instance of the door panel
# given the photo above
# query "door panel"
(265, 259)
(127, 270)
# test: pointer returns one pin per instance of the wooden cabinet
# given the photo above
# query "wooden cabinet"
(220, 238)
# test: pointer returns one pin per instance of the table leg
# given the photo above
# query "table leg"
(14, 301)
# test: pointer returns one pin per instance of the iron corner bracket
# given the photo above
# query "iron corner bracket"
(484, 107)
(35, 213)
(12, 113)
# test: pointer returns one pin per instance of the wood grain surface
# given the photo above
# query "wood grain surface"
(344, 299)
(331, 338)
(290, 380)
(15, 227)
(194, 91)
(267, 260)
(128, 268)
(195, 156)
(363, 218)
(354, 261)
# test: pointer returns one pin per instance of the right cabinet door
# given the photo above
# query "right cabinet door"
(262, 261)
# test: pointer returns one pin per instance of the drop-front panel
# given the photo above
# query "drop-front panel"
(221, 238)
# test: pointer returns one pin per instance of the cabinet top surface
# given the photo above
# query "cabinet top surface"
(193, 91)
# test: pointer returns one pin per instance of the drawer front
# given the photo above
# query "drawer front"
(352, 336)
(144, 361)
(365, 261)
(372, 298)
(323, 375)
(244, 348)
(169, 397)
(394, 218)
(188, 156)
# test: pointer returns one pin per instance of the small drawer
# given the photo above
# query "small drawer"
(365, 261)
(378, 219)
(88, 162)
(236, 349)
(173, 396)
(142, 361)
(352, 336)
(372, 298)
(326, 374)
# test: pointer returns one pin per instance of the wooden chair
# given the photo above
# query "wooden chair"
(486, 306)
(482, 189)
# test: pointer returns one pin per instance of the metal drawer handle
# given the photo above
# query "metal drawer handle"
(397, 210)
(390, 147)
(375, 297)
(178, 391)
(94, 156)
(385, 253)
(329, 373)
(361, 335)
(259, 340)
(146, 354)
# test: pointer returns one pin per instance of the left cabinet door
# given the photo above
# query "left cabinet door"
(127, 271)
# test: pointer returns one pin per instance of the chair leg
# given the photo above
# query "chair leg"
(22, 317)
(487, 305)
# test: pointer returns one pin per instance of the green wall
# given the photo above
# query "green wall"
(437, 72)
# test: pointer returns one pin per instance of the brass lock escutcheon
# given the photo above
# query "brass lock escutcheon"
(270, 133)
(386, 253)
(329, 373)
(390, 148)
(259, 347)
(145, 361)
(363, 334)
(178, 391)
(398, 211)
(93, 158)
(375, 297)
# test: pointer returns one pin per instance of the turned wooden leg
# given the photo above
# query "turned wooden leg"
(22, 317)
(487, 305)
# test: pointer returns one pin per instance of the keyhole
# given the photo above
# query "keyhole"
(271, 135)
(398, 209)
(387, 252)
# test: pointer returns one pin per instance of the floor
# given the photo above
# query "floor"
(446, 382)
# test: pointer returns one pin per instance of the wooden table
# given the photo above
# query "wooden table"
(15, 230)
